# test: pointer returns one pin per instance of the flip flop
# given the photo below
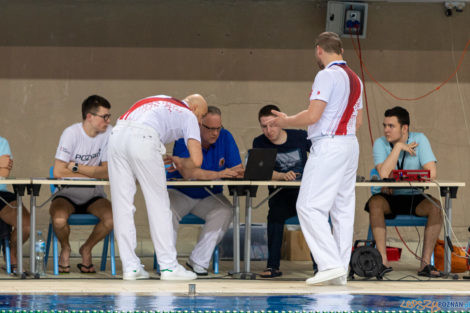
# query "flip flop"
(270, 273)
(81, 266)
(64, 269)
(384, 270)
(427, 272)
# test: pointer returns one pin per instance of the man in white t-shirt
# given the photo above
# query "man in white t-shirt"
(136, 149)
(82, 152)
(328, 183)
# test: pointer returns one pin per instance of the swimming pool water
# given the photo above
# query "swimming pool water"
(315, 302)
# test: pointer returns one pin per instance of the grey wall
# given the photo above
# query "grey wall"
(240, 55)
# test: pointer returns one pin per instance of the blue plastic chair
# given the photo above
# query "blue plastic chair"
(399, 220)
(5, 247)
(82, 220)
(294, 220)
(189, 220)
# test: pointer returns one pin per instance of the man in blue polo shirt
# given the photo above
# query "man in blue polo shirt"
(401, 149)
(221, 159)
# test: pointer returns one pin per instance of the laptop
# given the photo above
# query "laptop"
(260, 164)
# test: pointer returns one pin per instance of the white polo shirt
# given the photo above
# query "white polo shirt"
(341, 89)
(171, 118)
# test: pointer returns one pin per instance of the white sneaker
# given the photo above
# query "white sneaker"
(139, 273)
(327, 275)
(177, 273)
(340, 281)
(199, 270)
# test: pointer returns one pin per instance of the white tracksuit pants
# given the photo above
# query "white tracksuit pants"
(217, 216)
(135, 152)
(328, 189)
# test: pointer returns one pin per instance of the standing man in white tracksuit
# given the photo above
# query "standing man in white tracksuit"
(328, 183)
(136, 149)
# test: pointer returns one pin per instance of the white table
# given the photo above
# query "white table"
(448, 190)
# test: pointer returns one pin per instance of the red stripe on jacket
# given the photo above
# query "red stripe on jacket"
(354, 94)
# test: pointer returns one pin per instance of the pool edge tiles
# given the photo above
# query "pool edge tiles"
(230, 287)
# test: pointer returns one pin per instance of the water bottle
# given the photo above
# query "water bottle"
(40, 249)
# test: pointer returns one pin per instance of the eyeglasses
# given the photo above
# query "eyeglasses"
(217, 129)
(105, 117)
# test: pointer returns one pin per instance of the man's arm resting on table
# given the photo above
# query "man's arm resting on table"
(64, 169)
(431, 166)
(290, 175)
(187, 166)
(386, 168)
(201, 174)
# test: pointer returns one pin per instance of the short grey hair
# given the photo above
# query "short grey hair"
(213, 110)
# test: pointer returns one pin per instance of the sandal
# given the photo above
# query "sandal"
(64, 269)
(427, 272)
(88, 267)
(383, 270)
(270, 273)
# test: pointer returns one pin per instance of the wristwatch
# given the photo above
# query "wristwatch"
(75, 168)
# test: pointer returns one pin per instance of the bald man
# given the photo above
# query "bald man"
(136, 149)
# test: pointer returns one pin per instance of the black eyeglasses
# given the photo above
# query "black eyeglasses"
(217, 129)
(105, 117)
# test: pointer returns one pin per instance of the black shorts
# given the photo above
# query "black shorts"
(80, 208)
(9, 197)
(400, 204)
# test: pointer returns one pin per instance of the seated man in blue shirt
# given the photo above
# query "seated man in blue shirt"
(402, 149)
(292, 146)
(221, 159)
(8, 207)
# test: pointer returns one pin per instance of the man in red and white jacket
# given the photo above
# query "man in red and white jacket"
(136, 150)
(328, 183)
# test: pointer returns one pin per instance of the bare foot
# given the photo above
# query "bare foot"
(86, 260)
(64, 260)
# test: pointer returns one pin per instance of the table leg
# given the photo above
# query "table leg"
(236, 233)
(19, 235)
(32, 235)
(448, 225)
(247, 256)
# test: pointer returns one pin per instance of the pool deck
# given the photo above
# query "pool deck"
(403, 280)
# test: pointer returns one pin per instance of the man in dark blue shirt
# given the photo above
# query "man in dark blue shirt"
(292, 146)
(221, 159)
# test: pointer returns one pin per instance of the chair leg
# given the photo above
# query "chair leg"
(111, 253)
(215, 260)
(104, 254)
(7, 254)
(55, 253)
(370, 235)
(48, 244)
